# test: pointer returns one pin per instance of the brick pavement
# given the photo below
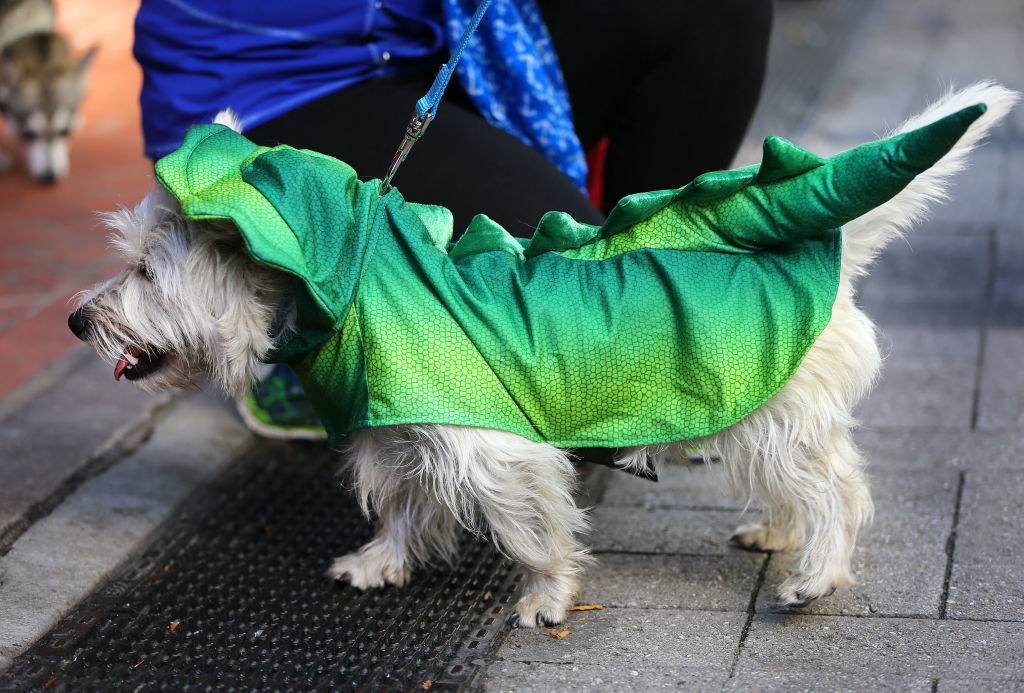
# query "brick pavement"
(50, 243)
(940, 599)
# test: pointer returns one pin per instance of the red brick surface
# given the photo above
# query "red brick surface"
(50, 242)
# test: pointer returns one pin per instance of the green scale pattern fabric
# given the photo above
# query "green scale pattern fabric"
(679, 316)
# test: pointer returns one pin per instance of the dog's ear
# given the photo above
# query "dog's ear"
(84, 61)
(229, 118)
(8, 76)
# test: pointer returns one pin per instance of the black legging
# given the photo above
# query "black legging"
(672, 87)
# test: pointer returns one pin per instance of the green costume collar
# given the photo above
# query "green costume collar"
(679, 316)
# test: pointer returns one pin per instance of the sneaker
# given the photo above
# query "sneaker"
(276, 407)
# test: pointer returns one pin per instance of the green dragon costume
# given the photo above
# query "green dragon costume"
(679, 316)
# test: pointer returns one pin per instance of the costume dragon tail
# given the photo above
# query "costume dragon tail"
(933, 152)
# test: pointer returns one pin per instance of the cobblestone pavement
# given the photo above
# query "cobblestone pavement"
(940, 599)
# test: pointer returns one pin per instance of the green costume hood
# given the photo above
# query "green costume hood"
(679, 316)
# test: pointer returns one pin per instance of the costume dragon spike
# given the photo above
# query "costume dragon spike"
(792, 194)
(679, 316)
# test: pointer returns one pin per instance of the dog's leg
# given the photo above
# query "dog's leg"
(830, 511)
(816, 499)
(532, 516)
(412, 526)
(423, 480)
(534, 521)
(523, 492)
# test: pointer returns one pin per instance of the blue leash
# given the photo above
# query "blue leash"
(426, 108)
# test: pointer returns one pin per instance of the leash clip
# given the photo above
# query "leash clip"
(414, 130)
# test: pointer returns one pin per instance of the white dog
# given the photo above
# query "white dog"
(189, 301)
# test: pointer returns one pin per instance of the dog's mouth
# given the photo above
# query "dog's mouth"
(136, 363)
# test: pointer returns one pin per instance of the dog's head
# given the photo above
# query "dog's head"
(189, 300)
(41, 86)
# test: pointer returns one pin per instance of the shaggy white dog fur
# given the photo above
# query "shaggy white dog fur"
(189, 299)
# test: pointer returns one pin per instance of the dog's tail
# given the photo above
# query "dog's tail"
(865, 237)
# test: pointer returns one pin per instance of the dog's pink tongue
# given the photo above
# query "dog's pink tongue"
(123, 362)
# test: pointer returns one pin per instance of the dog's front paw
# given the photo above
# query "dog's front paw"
(798, 591)
(369, 567)
(539, 609)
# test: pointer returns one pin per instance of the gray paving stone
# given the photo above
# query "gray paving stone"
(804, 682)
(1013, 201)
(48, 438)
(937, 277)
(976, 195)
(979, 40)
(542, 677)
(678, 486)
(705, 532)
(1001, 400)
(721, 583)
(637, 638)
(884, 646)
(886, 448)
(978, 686)
(1008, 289)
(927, 379)
(900, 559)
(988, 569)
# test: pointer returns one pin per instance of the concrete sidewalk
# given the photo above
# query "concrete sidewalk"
(91, 470)
(940, 602)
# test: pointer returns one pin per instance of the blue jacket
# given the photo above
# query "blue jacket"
(265, 58)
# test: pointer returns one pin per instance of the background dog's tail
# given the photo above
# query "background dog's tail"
(230, 118)
(865, 237)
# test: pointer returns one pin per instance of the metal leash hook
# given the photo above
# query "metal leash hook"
(414, 130)
(427, 106)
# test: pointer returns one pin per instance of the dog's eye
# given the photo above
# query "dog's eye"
(144, 271)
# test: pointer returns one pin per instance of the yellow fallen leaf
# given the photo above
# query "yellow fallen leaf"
(427, 684)
(586, 607)
(558, 634)
(174, 624)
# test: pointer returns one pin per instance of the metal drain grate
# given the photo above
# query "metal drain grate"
(233, 597)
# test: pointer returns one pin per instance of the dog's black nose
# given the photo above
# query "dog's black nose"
(79, 324)
(47, 177)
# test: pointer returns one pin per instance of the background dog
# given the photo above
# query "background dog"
(41, 85)
(190, 299)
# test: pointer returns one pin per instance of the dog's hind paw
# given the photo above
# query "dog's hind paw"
(757, 536)
(538, 609)
(369, 567)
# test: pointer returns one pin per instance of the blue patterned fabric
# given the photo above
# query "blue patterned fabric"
(511, 73)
